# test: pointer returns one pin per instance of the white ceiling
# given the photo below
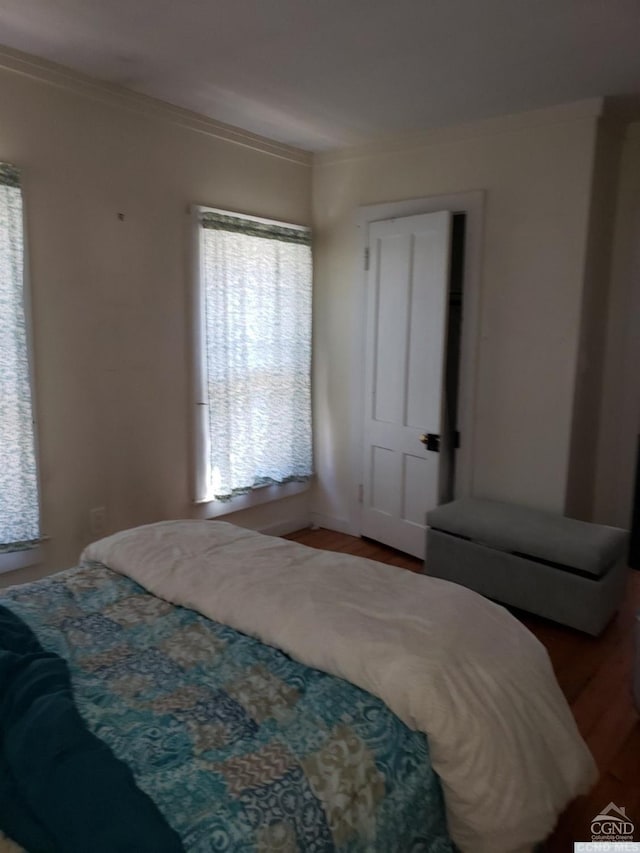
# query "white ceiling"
(323, 73)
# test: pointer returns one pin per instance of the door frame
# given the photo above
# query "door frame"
(471, 204)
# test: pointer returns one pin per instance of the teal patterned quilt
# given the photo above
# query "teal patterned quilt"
(240, 747)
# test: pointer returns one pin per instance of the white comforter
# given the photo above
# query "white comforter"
(448, 662)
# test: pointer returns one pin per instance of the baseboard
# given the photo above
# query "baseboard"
(289, 525)
(316, 519)
(330, 522)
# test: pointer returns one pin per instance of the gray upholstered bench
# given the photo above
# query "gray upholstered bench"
(560, 568)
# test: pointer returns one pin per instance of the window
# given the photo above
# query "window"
(254, 341)
(19, 503)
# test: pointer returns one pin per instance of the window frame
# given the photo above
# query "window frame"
(200, 451)
(22, 558)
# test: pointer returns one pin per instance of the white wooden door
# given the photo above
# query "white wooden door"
(407, 301)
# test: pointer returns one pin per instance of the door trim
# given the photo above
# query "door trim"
(472, 204)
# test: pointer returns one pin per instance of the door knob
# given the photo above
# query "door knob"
(431, 441)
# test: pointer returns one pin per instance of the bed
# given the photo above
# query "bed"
(238, 692)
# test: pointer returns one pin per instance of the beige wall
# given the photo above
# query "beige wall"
(620, 409)
(111, 299)
(536, 170)
(583, 460)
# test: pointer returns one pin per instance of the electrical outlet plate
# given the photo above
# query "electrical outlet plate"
(98, 521)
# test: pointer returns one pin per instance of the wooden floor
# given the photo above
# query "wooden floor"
(595, 675)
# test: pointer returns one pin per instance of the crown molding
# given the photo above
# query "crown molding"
(591, 108)
(61, 77)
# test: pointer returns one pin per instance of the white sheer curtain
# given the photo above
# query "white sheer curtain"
(19, 510)
(256, 281)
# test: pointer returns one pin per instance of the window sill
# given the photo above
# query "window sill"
(261, 495)
(14, 560)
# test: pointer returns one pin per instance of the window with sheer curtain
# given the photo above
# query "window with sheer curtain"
(19, 505)
(254, 338)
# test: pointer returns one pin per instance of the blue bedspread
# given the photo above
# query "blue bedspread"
(55, 775)
(240, 747)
